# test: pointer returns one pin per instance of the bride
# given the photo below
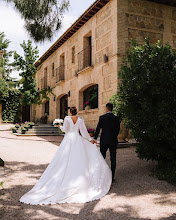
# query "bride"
(77, 174)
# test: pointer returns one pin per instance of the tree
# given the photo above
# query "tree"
(4, 44)
(29, 90)
(3, 90)
(9, 95)
(147, 99)
(28, 71)
(42, 17)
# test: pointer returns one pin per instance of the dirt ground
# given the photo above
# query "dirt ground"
(136, 194)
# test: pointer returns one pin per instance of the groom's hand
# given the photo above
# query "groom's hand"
(93, 141)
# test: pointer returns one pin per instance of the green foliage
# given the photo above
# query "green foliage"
(42, 17)
(147, 98)
(28, 70)
(167, 171)
(29, 90)
(13, 99)
(11, 106)
(116, 110)
(43, 95)
(3, 90)
(7, 68)
(93, 101)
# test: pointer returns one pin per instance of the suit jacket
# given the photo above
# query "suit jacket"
(110, 126)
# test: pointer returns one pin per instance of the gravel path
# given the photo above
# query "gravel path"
(135, 194)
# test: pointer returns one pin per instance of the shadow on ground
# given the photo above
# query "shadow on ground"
(133, 183)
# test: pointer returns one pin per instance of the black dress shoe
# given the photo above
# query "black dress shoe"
(113, 180)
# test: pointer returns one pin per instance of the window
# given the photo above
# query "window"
(52, 69)
(44, 80)
(47, 108)
(60, 71)
(85, 56)
(90, 97)
(73, 54)
(87, 51)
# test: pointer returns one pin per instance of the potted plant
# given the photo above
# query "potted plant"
(17, 126)
(23, 129)
(123, 134)
(31, 124)
(86, 105)
(26, 125)
(91, 132)
(14, 129)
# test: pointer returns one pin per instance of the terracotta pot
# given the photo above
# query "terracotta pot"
(123, 133)
(130, 136)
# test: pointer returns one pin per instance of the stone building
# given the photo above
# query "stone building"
(83, 63)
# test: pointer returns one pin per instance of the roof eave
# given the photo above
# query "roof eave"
(86, 16)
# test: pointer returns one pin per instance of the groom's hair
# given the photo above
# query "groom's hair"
(109, 106)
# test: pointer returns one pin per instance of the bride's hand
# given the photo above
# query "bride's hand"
(93, 142)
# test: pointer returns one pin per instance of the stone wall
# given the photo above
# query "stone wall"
(111, 29)
(103, 29)
(140, 19)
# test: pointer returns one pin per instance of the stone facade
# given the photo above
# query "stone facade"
(111, 30)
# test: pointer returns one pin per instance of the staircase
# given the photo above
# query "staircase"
(42, 130)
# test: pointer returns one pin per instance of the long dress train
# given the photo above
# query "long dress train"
(77, 174)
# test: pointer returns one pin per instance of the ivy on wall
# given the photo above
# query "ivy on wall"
(11, 107)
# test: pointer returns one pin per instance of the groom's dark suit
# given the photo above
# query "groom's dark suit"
(110, 126)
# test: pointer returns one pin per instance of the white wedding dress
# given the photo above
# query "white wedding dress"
(77, 174)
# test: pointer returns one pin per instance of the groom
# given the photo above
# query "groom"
(110, 126)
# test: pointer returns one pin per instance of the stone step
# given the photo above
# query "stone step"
(44, 128)
(42, 132)
(50, 130)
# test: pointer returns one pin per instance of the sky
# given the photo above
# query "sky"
(12, 25)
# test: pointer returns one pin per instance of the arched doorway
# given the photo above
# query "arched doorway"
(62, 106)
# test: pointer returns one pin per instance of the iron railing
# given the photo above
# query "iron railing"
(60, 73)
(44, 83)
(85, 58)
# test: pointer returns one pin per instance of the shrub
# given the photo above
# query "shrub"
(11, 106)
(147, 100)
(167, 171)
(116, 106)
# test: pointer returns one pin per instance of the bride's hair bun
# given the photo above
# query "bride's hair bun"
(73, 110)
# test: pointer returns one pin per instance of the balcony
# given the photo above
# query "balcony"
(44, 83)
(85, 58)
(60, 73)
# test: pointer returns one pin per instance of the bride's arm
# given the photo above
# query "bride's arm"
(84, 132)
(65, 126)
